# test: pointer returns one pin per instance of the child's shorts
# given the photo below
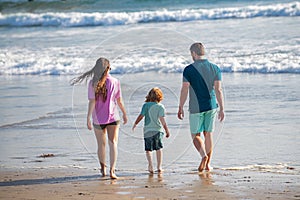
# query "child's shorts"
(153, 141)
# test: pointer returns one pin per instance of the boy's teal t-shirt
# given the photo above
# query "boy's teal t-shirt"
(152, 112)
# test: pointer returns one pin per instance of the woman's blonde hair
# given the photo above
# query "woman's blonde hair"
(154, 95)
(99, 73)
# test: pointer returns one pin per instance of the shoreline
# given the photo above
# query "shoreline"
(88, 184)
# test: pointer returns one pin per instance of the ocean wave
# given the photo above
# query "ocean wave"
(161, 62)
(75, 19)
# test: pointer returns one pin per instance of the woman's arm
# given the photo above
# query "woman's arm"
(122, 107)
(91, 108)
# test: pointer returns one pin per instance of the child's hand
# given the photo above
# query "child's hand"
(134, 125)
(167, 134)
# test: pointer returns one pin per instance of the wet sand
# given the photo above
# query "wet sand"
(87, 184)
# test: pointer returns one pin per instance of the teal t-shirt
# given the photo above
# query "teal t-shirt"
(201, 76)
(152, 111)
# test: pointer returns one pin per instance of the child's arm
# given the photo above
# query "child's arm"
(138, 119)
(163, 122)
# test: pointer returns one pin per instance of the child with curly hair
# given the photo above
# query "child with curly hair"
(154, 123)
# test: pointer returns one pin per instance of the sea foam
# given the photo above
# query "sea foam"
(75, 19)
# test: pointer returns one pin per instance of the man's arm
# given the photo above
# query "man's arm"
(220, 99)
(183, 97)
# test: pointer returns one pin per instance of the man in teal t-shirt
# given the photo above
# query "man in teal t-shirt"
(202, 80)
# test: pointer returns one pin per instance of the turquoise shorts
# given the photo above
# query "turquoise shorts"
(204, 121)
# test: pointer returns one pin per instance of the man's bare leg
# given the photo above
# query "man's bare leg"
(199, 145)
(209, 149)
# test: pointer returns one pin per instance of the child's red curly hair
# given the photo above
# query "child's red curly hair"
(154, 95)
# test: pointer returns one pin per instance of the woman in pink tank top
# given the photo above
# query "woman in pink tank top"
(104, 94)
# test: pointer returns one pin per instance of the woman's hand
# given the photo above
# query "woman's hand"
(125, 119)
(89, 124)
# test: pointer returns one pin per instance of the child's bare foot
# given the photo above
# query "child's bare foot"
(113, 175)
(150, 169)
(160, 171)
(202, 164)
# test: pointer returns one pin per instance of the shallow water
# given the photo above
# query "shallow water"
(260, 131)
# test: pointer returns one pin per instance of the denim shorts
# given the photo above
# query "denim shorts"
(204, 121)
(153, 141)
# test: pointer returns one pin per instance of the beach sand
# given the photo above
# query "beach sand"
(87, 184)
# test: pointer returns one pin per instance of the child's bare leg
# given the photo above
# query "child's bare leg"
(199, 145)
(101, 141)
(209, 148)
(159, 157)
(149, 158)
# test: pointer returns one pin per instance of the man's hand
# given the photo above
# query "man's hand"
(180, 113)
(221, 115)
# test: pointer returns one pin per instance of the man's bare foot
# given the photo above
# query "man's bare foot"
(113, 175)
(150, 169)
(103, 171)
(202, 164)
(208, 167)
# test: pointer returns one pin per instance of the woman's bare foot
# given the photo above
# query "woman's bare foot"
(150, 169)
(103, 171)
(113, 175)
(202, 164)
(160, 171)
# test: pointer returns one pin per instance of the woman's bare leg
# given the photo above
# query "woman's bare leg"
(113, 133)
(101, 141)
